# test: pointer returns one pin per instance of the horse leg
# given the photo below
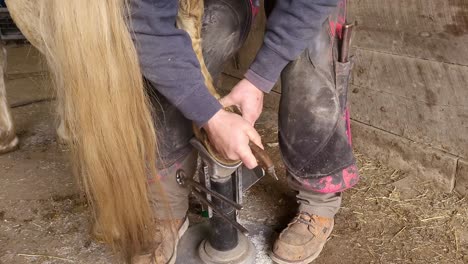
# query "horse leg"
(62, 134)
(189, 18)
(8, 138)
(26, 15)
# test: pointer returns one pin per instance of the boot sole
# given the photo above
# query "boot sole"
(183, 228)
(308, 260)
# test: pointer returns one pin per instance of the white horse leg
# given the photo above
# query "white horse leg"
(189, 18)
(25, 13)
(8, 138)
(62, 132)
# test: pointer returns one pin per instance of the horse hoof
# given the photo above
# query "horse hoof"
(98, 235)
(11, 146)
(62, 134)
(62, 140)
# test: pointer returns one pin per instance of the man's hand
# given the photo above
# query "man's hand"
(248, 98)
(231, 134)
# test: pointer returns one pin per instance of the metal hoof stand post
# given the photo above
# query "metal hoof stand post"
(222, 239)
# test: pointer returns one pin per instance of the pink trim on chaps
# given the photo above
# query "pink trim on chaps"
(338, 182)
(336, 24)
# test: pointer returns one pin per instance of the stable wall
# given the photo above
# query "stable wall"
(409, 91)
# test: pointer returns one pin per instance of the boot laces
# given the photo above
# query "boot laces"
(300, 219)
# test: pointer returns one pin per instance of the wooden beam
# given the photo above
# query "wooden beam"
(424, 101)
(427, 29)
(461, 181)
(408, 156)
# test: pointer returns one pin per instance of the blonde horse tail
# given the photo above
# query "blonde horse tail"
(106, 111)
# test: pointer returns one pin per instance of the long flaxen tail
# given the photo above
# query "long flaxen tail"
(102, 100)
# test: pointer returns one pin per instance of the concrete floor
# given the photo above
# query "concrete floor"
(388, 218)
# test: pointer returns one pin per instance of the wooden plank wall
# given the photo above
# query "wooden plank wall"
(410, 84)
(409, 91)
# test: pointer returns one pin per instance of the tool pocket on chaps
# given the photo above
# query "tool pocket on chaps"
(343, 76)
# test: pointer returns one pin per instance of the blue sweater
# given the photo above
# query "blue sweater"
(169, 62)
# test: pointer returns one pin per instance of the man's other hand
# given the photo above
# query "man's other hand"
(248, 98)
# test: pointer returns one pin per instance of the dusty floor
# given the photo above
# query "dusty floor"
(388, 218)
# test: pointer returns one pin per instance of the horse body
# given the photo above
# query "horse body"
(102, 104)
(26, 16)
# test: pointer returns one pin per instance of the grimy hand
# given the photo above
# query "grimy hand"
(248, 98)
(231, 134)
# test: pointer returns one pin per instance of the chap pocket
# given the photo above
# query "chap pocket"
(342, 77)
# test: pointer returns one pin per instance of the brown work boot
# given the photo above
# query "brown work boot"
(166, 243)
(302, 241)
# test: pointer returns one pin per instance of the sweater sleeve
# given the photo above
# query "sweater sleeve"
(290, 28)
(167, 59)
